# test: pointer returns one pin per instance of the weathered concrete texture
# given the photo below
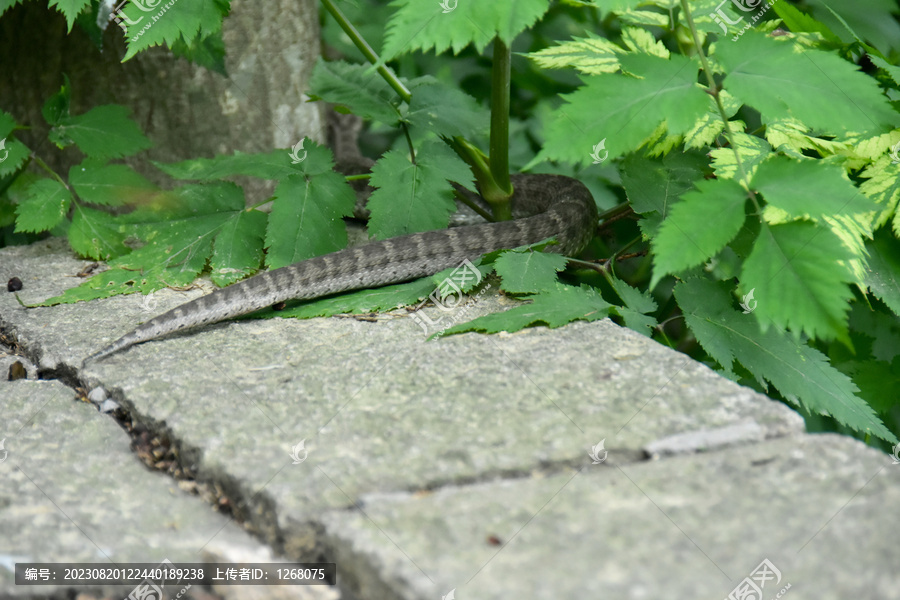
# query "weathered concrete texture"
(73, 491)
(452, 441)
(684, 527)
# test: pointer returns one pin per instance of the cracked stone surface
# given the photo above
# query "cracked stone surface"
(419, 457)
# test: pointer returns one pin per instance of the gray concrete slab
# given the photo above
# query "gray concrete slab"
(297, 421)
(690, 526)
(73, 491)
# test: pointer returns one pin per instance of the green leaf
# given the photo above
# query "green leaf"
(57, 106)
(359, 88)
(800, 372)
(887, 67)
(97, 235)
(752, 149)
(883, 274)
(799, 274)
(415, 197)
(110, 185)
(102, 132)
(112, 282)
(552, 308)
(446, 110)
(798, 22)
(363, 301)
(817, 88)
(529, 272)
(276, 164)
(624, 111)
(809, 188)
(70, 8)
(167, 23)
(591, 55)
(426, 24)
(637, 307)
(698, 226)
(238, 249)
(652, 185)
(45, 207)
(306, 218)
(883, 186)
(207, 52)
(179, 241)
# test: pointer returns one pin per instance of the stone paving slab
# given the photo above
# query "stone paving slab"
(73, 491)
(683, 527)
(298, 420)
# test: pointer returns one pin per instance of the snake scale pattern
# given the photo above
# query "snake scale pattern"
(544, 206)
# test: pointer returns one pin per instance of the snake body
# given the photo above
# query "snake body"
(544, 206)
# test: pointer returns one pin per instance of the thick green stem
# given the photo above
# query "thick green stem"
(367, 51)
(500, 81)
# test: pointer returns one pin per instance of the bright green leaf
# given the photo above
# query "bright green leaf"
(102, 132)
(110, 185)
(238, 249)
(883, 274)
(529, 272)
(45, 207)
(446, 110)
(358, 87)
(96, 234)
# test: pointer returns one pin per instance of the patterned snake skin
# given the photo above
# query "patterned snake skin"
(543, 206)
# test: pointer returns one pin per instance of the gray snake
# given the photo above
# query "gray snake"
(544, 206)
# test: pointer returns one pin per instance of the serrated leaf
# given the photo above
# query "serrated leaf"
(238, 248)
(798, 371)
(110, 185)
(414, 197)
(883, 186)
(591, 56)
(426, 24)
(698, 226)
(96, 234)
(70, 9)
(358, 87)
(883, 274)
(179, 242)
(815, 87)
(797, 21)
(641, 40)
(154, 23)
(446, 111)
(276, 164)
(45, 207)
(529, 272)
(551, 308)
(624, 111)
(112, 282)
(809, 188)
(363, 301)
(306, 218)
(637, 306)
(102, 132)
(892, 70)
(800, 276)
(57, 106)
(753, 150)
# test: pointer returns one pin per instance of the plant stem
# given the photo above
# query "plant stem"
(714, 91)
(499, 151)
(367, 51)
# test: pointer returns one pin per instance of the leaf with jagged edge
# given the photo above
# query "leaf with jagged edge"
(883, 274)
(698, 226)
(69, 8)
(45, 206)
(882, 184)
(410, 198)
(161, 24)
(753, 150)
(430, 24)
(800, 273)
(238, 248)
(555, 308)
(625, 110)
(641, 40)
(801, 373)
(637, 306)
(591, 55)
(818, 88)
(110, 185)
(528, 272)
(102, 132)
(446, 110)
(359, 88)
(97, 234)
(810, 188)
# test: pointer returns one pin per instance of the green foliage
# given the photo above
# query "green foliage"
(760, 167)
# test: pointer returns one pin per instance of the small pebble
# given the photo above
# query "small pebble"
(97, 395)
(17, 371)
(108, 406)
(14, 285)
